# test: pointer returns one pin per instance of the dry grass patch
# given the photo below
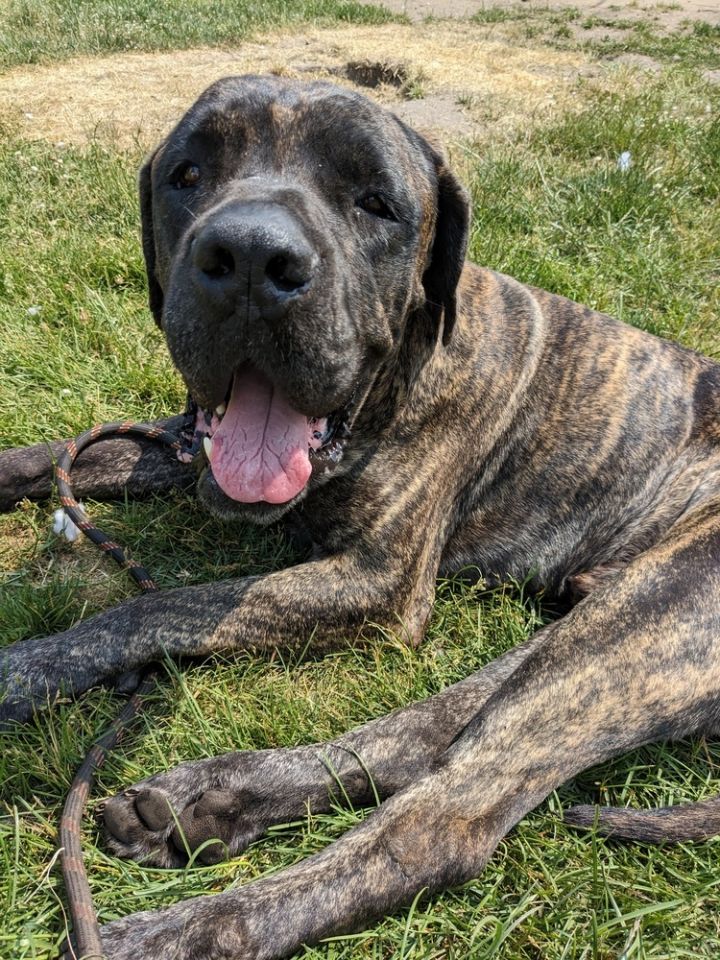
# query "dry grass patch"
(19, 535)
(467, 77)
(667, 13)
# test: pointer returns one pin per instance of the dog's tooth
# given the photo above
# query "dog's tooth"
(207, 447)
(220, 410)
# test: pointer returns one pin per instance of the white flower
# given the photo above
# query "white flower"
(63, 525)
(624, 161)
(33, 311)
(65, 392)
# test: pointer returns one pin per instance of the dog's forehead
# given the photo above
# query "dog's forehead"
(316, 117)
(254, 97)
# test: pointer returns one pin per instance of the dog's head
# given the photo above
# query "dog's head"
(291, 233)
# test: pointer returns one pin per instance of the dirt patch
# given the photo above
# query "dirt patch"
(638, 61)
(465, 78)
(440, 114)
(666, 14)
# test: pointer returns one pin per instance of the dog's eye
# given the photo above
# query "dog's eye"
(376, 206)
(186, 176)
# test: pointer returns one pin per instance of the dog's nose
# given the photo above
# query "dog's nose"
(254, 251)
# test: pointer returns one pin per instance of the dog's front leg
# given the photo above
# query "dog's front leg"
(107, 470)
(235, 797)
(635, 662)
(320, 602)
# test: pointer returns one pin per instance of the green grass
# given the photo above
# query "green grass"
(693, 43)
(642, 245)
(696, 43)
(70, 236)
(551, 208)
(39, 31)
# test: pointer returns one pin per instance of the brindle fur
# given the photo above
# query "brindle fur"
(520, 433)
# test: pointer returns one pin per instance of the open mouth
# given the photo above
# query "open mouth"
(259, 448)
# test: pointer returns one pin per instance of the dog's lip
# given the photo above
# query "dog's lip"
(332, 429)
(209, 405)
(329, 426)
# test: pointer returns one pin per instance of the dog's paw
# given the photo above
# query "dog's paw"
(181, 815)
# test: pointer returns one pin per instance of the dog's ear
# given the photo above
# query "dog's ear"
(449, 246)
(148, 238)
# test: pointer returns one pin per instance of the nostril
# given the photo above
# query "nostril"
(276, 268)
(286, 275)
(218, 263)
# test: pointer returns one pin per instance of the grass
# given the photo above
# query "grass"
(641, 244)
(693, 43)
(40, 31)
(696, 43)
(552, 208)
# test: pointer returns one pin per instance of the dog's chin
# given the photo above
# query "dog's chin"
(225, 508)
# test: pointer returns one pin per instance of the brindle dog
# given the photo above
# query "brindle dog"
(416, 415)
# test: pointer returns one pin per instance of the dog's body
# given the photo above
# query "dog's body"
(492, 426)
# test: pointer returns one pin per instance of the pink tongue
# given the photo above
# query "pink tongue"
(260, 448)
